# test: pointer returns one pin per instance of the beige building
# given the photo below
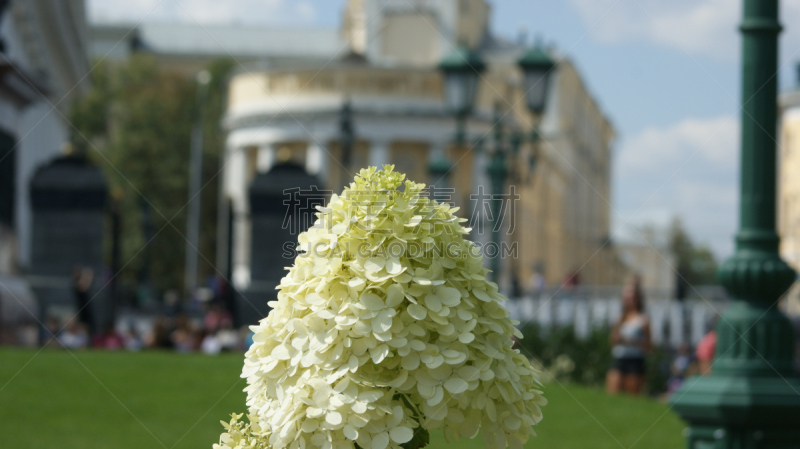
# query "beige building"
(291, 85)
(561, 222)
(789, 186)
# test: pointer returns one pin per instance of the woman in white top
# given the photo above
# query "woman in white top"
(630, 340)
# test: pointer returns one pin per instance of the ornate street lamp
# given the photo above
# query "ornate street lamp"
(461, 69)
(537, 70)
(537, 67)
(751, 398)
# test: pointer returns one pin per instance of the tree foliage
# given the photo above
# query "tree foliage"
(136, 124)
(695, 264)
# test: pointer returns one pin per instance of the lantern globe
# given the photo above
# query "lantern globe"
(461, 69)
(537, 67)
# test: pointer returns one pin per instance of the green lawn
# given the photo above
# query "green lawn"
(121, 400)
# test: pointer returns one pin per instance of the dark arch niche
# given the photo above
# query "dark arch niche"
(68, 198)
(282, 205)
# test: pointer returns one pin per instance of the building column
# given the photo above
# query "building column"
(265, 158)
(379, 153)
(236, 184)
(317, 160)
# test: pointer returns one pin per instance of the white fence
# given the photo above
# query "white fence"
(672, 322)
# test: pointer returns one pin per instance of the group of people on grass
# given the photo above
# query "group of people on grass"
(212, 334)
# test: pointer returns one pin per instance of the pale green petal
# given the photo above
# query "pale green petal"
(448, 296)
(375, 264)
(401, 435)
(417, 311)
(456, 385)
(372, 301)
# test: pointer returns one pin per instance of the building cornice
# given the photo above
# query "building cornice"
(329, 106)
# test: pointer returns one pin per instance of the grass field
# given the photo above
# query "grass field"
(54, 399)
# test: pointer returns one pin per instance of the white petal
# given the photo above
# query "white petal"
(333, 418)
(350, 432)
(393, 266)
(309, 425)
(379, 353)
(401, 434)
(411, 361)
(482, 295)
(469, 373)
(372, 301)
(374, 264)
(456, 385)
(281, 352)
(380, 441)
(359, 407)
(448, 296)
(438, 395)
(356, 282)
(394, 295)
(418, 312)
(370, 396)
(326, 314)
(433, 303)
(382, 322)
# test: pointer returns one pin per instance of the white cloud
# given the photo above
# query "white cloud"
(705, 27)
(246, 12)
(306, 11)
(688, 170)
(712, 140)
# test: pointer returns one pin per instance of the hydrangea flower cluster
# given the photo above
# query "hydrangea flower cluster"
(385, 327)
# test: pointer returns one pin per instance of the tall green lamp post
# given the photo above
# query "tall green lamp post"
(498, 175)
(752, 397)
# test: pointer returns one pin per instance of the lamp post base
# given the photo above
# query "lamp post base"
(712, 437)
(728, 412)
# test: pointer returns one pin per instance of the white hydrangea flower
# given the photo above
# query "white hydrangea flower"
(385, 327)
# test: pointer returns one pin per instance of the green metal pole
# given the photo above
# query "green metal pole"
(752, 397)
(498, 172)
(497, 176)
(461, 132)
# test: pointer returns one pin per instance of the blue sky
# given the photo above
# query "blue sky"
(665, 72)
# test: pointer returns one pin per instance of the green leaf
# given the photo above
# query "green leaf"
(421, 439)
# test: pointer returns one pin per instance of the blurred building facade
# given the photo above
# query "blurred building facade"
(43, 68)
(789, 185)
(647, 249)
(386, 68)
(291, 85)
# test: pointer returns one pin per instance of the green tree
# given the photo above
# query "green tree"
(139, 118)
(695, 264)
